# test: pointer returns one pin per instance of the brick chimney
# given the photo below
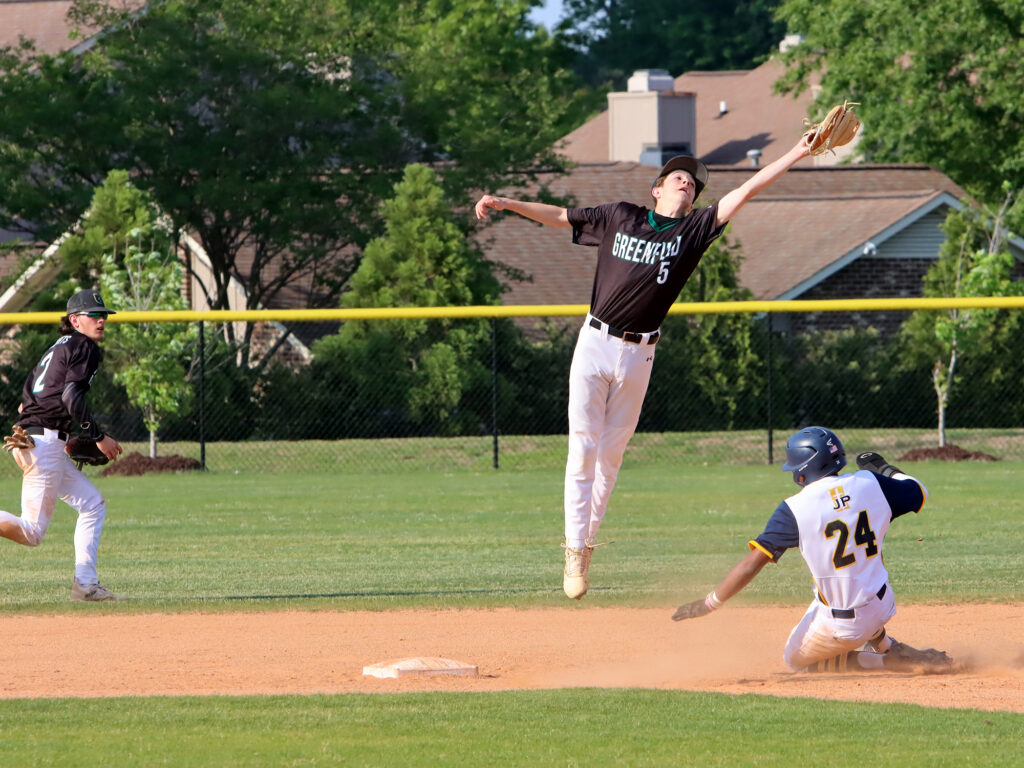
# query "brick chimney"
(651, 122)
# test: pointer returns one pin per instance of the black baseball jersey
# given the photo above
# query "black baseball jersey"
(54, 394)
(643, 259)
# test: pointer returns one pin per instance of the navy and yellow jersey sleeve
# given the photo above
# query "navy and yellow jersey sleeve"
(779, 534)
(904, 494)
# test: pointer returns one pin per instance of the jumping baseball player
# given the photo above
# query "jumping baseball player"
(54, 397)
(839, 523)
(644, 258)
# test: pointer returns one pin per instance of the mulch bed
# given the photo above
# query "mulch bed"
(136, 464)
(946, 453)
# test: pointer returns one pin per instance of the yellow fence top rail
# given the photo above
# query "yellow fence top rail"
(530, 310)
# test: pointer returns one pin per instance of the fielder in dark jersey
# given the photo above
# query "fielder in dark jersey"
(644, 258)
(53, 401)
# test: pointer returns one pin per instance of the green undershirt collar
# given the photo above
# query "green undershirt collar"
(660, 223)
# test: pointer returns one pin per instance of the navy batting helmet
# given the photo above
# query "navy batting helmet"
(813, 453)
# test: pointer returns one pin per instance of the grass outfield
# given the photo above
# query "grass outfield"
(517, 453)
(216, 542)
(222, 542)
(578, 727)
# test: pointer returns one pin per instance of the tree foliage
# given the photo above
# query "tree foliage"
(138, 272)
(616, 37)
(270, 130)
(151, 357)
(119, 214)
(423, 260)
(938, 80)
(973, 262)
(719, 375)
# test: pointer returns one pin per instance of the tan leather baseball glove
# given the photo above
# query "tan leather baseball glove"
(838, 128)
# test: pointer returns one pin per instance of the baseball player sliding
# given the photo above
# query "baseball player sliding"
(839, 523)
(644, 258)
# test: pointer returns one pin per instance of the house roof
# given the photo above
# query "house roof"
(43, 21)
(801, 227)
(757, 118)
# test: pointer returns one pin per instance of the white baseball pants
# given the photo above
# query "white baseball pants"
(50, 475)
(820, 635)
(607, 383)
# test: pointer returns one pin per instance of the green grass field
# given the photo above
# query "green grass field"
(220, 541)
(577, 727)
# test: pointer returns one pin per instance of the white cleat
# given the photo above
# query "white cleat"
(92, 593)
(575, 578)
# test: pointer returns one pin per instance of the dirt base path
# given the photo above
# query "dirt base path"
(737, 650)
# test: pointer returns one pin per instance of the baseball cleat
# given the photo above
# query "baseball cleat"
(575, 578)
(91, 593)
(903, 658)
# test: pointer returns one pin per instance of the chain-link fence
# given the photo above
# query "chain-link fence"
(483, 393)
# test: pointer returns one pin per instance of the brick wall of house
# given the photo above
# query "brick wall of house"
(865, 278)
(869, 278)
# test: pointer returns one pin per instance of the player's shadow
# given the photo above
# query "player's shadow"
(402, 593)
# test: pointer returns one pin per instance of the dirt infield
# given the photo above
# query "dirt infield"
(737, 650)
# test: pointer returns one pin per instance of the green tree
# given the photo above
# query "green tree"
(973, 262)
(138, 272)
(708, 373)
(119, 213)
(616, 37)
(424, 260)
(270, 130)
(936, 79)
(151, 357)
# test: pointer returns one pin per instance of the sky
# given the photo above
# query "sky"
(548, 14)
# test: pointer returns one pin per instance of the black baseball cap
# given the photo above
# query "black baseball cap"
(691, 165)
(88, 300)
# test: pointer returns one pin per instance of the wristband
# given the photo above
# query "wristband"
(712, 601)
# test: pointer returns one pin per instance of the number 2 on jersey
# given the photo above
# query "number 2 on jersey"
(863, 536)
(37, 385)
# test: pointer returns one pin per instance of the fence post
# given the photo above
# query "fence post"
(494, 387)
(202, 395)
(769, 387)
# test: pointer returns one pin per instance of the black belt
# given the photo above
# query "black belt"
(37, 431)
(849, 613)
(630, 336)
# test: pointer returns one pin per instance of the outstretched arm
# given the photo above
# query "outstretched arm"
(742, 574)
(550, 215)
(730, 205)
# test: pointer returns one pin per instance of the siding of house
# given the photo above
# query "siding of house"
(921, 240)
(896, 271)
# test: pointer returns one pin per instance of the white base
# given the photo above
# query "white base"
(420, 665)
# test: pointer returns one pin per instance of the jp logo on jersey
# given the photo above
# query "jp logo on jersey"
(839, 499)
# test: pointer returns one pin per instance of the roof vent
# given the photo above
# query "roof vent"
(755, 157)
(722, 108)
(790, 41)
(650, 80)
